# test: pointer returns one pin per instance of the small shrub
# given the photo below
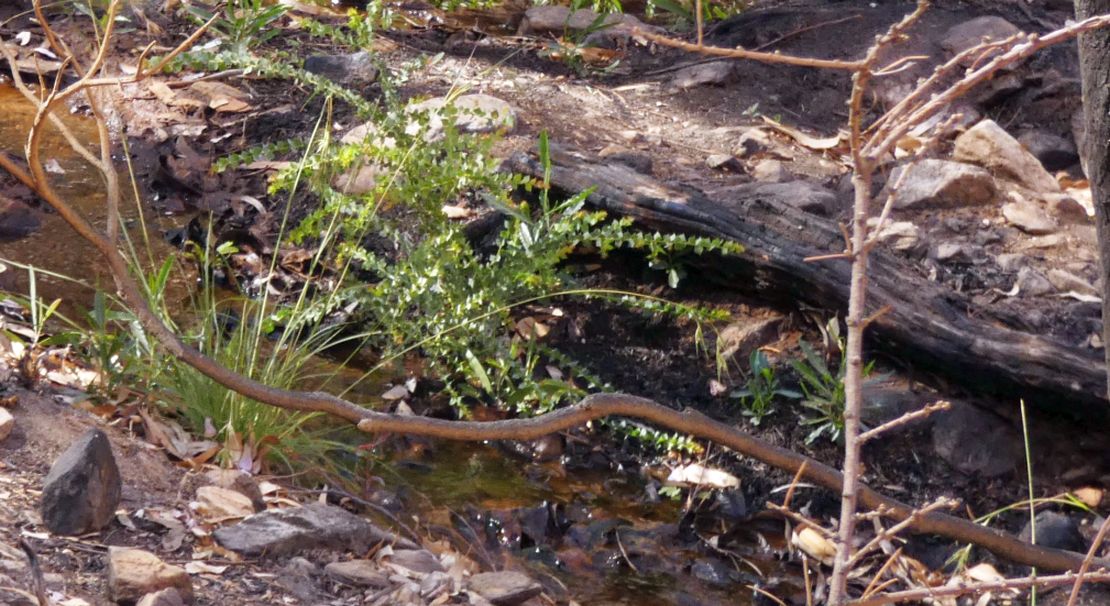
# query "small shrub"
(758, 395)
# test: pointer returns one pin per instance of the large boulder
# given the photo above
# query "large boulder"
(83, 487)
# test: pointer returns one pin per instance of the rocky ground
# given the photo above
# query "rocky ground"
(999, 211)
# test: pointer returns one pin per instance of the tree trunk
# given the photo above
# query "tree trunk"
(926, 324)
(1094, 61)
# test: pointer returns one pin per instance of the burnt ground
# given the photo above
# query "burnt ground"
(638, 106)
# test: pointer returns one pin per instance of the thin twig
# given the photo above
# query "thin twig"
(1091, 553)
(925, 593)
(739, 53)
(909, 417)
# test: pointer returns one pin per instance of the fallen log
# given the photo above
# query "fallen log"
(924, 323)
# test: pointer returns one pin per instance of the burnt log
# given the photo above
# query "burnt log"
(924, 324)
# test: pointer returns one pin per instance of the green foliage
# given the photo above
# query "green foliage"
(244, 25)
(759, 393)
(823, 393)
(265, 151)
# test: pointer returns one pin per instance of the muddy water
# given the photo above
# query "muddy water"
(54, 246)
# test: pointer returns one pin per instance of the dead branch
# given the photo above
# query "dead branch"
(925, 593)
(739, 53)
(904, 419)
(1091, 553)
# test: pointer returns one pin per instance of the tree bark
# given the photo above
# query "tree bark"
(926, 324)
(1094, 61)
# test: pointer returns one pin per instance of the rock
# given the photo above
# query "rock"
(415, 562)
(1029, 218)
(973, 32)
(942, 183)
(1011, 261)
(715, 73)
(362, 180)
(356, 70)
(1032, 282)
(740, 339)
(17, 220)
(803, 195)
(504, 588)
(435, 585)
(1054, 152)
(887, 400)
(7, 423)
(771, 171)
(1065, 281)
(215, 503)
(712, 572)
(1055, 530)
(83, 488)
(315, 525)
(639, 161)
(900, 235)
(560, 19)
(956, 252)
(975, 442)
(752, 141)
(988, 145)
(166, 597)
(239, 481)
(133, 573)
(363, 573)
(1067, 209)
(724, 162)
(476, 113)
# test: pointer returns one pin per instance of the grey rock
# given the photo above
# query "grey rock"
(1065, 281)
(1055, 530)
(637, 160)
(166, 597)
(902, 236)
(313, 526)
(17, 220)
(752, 141)
(942, 183)
(363, 573)
(1011, 261)
(239, 481)
(803, 195)
(715, 73)
(724, 162)
(975, 31)
(356, 70)
(83, 487)
(975, 442)
(1032, 282)
(988, 145)
(1054, 152)
(419, 561)
(476, 113)
(957, 252)
(887, 400)
(504, 588)
(771, 171)
(1029, 218)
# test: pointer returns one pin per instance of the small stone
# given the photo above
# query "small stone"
(359, 181)
(504, 588)
(639, 161)
(166, 597)
(1054, 152)
(418, 561)
(942, 183)
(363, 573)
(133, 573)
(988, 145)
(1056, 531)
(215, 503)
(955, 252)
(900, 235)
(239, 481)
(724, 162)
(17, 220)
(1029, 218)
(803, 195)
(975, 442)
(1065, 281)
(975, 31)
(7, 423)
(472, 113)
(1032, 282)
(771, 171)
(356, 70)
(315, 525)
(83, 488)
(752, 142)
(715, 73)
(1011, 261)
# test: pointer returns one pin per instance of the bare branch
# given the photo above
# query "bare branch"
(925, 593)
(904, 419)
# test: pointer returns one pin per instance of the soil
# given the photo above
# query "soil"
(635, 106)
